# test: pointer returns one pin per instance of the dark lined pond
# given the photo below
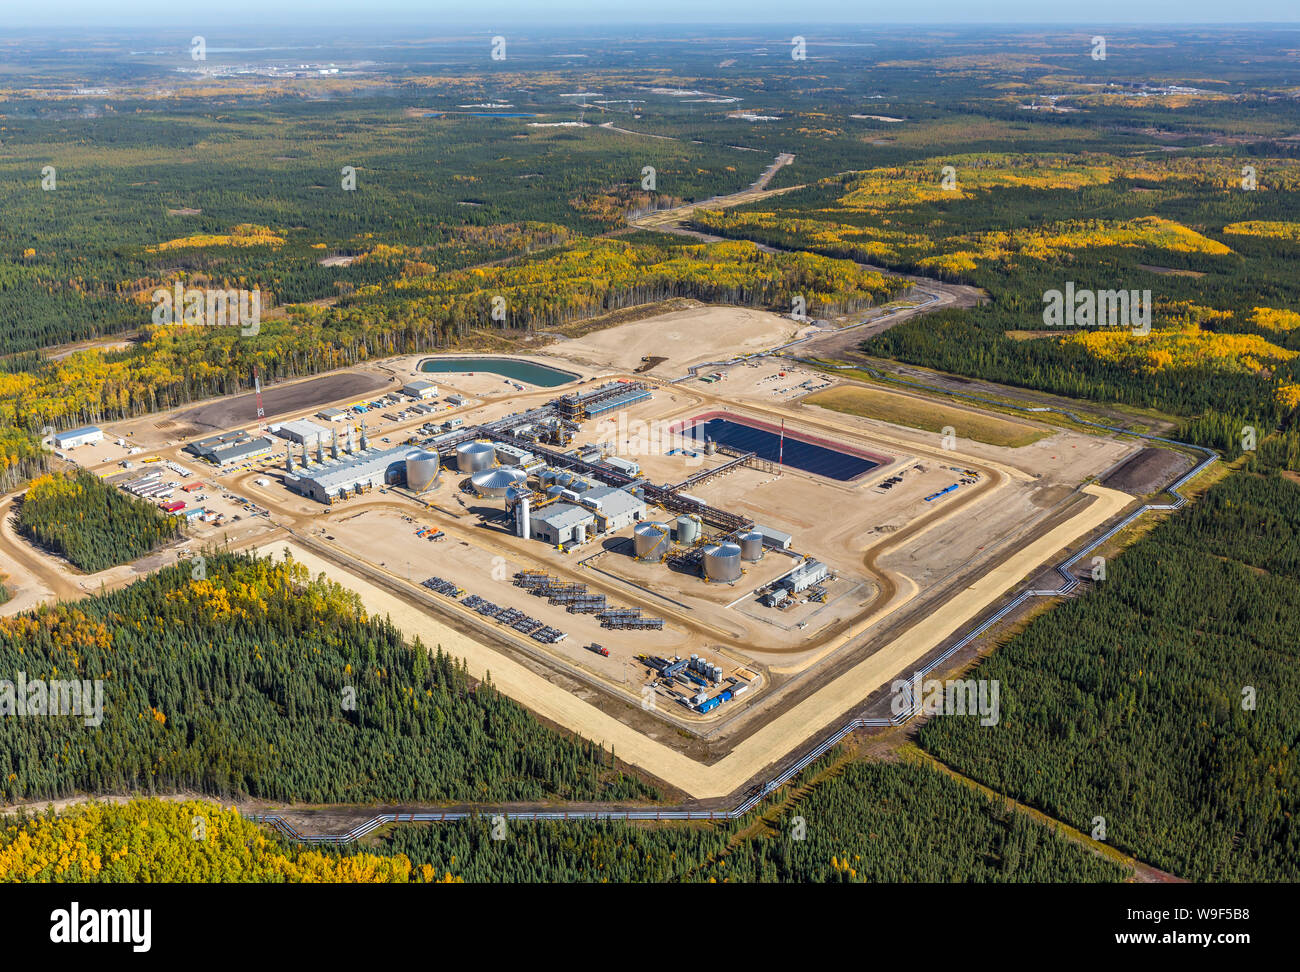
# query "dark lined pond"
(800, 453)
(516, 368)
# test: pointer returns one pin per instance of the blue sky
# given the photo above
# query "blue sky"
(501, 14)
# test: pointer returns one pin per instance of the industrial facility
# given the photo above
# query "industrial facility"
(302, 431)
(420, 389)
(351, 470)
(231, 448)
(77, 437)
(548, 491)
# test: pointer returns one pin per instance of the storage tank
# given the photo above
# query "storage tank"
(751, 546)
(722, 563)
(651, 540)
(421, 470)
(688, 528)
(497, 482)
(471, 457)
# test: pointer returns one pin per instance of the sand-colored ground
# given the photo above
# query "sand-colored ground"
(683, 338)
(773, 740)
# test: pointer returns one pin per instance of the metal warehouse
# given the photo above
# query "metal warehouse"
(598, 401)
(351, 475)
(420, 389)
(230, 448)
(562, 523)
(615, 508)
(774, 538)
(303, 432)
(75, 437)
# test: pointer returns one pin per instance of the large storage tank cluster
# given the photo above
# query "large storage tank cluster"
(651, 541)
(722, 563)
(472, 457)
(688, 528)
(421, 470)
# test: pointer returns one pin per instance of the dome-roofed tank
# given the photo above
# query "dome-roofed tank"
(421, 470)
(722, 563)
(474, 456)
(651, 540)
(751, 546)
(688, 528)
(497, 482)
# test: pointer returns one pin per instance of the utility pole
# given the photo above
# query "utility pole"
(257, 389)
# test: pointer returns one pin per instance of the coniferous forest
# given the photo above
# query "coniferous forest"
(90, 523)
(873, 822)
(259, 681)
(1164, 700)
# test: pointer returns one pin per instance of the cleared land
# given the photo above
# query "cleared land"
(227, 413)
(772, 741)
(680, 339)
(930, 416)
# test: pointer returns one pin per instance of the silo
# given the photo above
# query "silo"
(496, 483)
(751, 546)
(651, 540)
(523, 524)
(722, 563)
(421, 470)
(471, 457)
(688, 528)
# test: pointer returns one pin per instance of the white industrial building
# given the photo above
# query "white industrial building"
(509, 455)
(77, 437)
(804, 576)
(350, 475)
(331, 415)
(303, 432)
(625, 466)
(562, 523)
(614, 508)
(420, 389)
(774, 538)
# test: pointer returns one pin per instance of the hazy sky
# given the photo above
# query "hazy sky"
(500, 14)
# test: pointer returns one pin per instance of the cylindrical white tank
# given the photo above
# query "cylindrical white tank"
(471, 457)
(651, 540)
(751, 546)
(521, 512)
(421, 470)
(722, 563)
(688, 528)
(497, 482)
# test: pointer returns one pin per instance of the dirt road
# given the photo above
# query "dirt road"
(773, 741)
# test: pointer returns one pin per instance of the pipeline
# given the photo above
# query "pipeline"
(756, 794)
